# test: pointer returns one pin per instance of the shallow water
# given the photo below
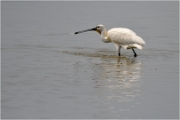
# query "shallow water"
(49, 73)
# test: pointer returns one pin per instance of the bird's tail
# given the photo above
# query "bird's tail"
(138, 43)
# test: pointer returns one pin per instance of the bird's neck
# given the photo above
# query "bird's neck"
(104, 37)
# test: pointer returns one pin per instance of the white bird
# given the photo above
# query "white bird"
(121, 37)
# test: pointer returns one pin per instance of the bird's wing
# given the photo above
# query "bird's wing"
(124, 36)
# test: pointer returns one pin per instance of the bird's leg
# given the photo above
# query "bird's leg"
(134, 52)
(119, 48)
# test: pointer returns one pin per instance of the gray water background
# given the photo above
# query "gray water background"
(46, 72)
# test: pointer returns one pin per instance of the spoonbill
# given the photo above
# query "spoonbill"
(121, 37)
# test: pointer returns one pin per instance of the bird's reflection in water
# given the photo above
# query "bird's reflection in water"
(116, 81)
(119, 77)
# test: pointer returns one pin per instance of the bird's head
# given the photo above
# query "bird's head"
(98, 28)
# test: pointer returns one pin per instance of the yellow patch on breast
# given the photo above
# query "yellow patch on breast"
(109, 38)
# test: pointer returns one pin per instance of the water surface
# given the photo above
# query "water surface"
(49, 73)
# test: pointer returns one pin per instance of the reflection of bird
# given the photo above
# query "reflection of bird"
(121, 37)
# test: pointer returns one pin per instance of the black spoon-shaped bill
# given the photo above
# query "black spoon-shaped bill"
(92, 29)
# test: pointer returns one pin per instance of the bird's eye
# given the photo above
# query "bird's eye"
(98, 27)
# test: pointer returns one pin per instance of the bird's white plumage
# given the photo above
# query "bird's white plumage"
(126, 38)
